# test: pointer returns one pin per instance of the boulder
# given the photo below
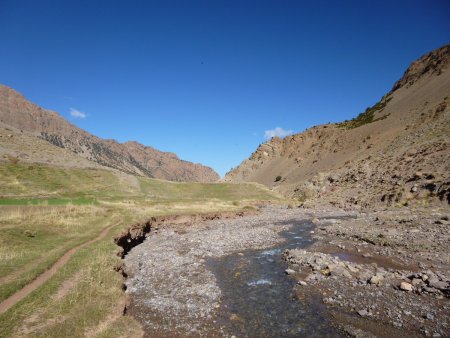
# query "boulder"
(406, 286)
(376, 280)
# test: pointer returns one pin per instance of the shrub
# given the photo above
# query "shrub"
(278, 178)
(368, 116)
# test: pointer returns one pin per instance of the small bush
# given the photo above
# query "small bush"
(278, 178)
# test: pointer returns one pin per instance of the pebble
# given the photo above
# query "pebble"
(289, 271)
(429, 316)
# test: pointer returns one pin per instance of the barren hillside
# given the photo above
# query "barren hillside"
(30, 120)
(396, 152)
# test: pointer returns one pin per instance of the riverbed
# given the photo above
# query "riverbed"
(224, 278)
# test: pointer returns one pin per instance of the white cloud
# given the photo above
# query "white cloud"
(280, 132)
(77, 114)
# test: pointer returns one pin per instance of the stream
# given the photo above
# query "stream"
(257, 296)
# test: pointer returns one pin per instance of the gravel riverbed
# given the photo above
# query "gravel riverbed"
(172, 291)
(354, 266)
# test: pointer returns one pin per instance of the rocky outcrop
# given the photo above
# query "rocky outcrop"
(433, 63)
(131, 157)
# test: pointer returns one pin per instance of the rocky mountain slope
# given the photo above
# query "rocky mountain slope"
(30, 120)
(396, 152)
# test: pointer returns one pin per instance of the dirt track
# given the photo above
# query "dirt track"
(41, 279)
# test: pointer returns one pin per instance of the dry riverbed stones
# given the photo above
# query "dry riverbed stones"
(400, 278)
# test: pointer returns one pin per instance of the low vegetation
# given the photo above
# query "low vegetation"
(45, 211)
(34, 237)
(368, 116)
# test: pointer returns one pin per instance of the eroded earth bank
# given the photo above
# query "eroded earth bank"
(290, 272)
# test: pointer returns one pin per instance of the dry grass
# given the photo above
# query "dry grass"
(33, 238)
(95, 295)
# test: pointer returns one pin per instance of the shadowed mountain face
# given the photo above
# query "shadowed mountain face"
(130, 157)
(396, 152)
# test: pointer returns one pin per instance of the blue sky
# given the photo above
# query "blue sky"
(207, 79)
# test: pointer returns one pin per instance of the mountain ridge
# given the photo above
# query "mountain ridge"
(130, 157)
(382, 150)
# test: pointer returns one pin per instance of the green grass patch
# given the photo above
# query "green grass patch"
(159, 190)
(94, 294)
(48, 201)
(34, 237)
(24, 184)
(54, 183)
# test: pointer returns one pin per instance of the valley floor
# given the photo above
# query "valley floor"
(59, 268)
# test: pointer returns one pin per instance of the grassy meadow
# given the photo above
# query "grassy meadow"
(45, 211)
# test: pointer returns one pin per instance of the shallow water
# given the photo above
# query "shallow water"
(257, 298)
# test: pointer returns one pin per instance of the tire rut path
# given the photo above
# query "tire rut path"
(45, 276)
